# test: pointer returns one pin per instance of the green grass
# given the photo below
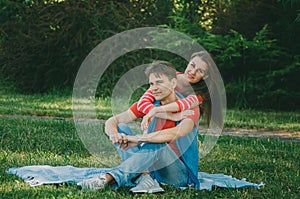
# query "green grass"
(25, 141)
(270, 120)
(60, 105)
(51, 105)
(55, 142)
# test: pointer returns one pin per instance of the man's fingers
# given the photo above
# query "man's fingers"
(118, 138)
(123, 146)
(114, 138)
(124, 139)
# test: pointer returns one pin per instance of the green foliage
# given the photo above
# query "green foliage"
(43, 43)
(257, 72)
(39, 32)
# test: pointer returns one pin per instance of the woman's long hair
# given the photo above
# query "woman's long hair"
(208, 90)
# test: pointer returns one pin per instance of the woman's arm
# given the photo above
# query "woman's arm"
(181, 105)
(187, 103)
(175, 116)
(145, 104)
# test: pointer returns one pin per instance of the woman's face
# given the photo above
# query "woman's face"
(196, 70)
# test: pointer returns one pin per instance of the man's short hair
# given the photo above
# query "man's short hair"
(161, 67)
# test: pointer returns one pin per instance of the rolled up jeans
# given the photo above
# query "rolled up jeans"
(158, 159)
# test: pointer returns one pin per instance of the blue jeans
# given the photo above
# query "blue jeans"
(158, 159)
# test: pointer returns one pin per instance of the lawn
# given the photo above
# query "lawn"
(26, 141)
(60, 105)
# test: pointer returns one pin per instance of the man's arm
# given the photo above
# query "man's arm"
(166, 135)
(111, 125)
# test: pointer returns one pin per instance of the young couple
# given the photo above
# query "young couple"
(168, 152)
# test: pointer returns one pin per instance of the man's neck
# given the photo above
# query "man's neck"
(171, 98)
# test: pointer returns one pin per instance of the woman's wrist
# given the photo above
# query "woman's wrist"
(158, 109)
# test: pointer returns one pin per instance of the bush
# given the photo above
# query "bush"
(43, 43)
(257, 73)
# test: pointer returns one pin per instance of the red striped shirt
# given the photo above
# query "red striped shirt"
(145, 104)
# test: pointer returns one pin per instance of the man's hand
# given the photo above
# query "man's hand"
(118, 138)
(111, 126)
(129, 142)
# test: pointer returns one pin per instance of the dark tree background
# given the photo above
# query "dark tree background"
(255, 43)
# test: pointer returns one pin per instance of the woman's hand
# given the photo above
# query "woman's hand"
(181, 115)
(169, 116)
(149, 117)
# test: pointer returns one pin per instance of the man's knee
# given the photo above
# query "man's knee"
(124, 128)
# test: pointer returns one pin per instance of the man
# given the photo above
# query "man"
(166, 154)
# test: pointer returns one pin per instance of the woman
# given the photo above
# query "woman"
(195, 83)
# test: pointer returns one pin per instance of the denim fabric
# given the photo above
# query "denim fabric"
(188, 147)
(125, 154)
(158, 159)
(149, 159)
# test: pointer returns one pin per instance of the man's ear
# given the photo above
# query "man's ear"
(174, 83)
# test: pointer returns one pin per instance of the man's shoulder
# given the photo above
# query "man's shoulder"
(133, 108)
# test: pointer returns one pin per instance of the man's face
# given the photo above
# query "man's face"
(161, 86)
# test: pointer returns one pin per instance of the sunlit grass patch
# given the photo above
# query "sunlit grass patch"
(39, 105)
(55, 105)
(56, 143)
(270, 120)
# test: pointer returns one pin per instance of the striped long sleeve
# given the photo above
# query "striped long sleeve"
(145, 104)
